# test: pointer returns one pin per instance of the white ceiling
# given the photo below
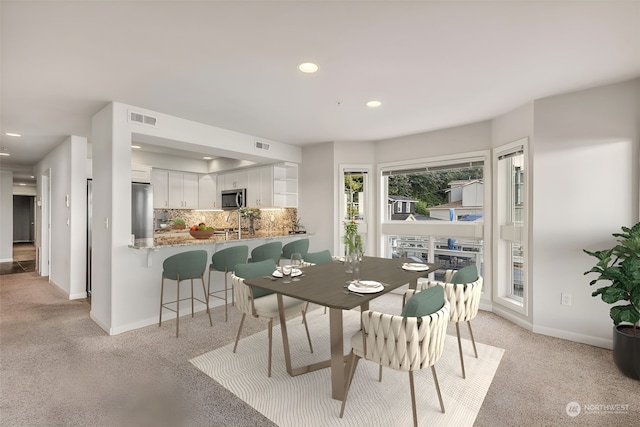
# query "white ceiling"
(233, 64)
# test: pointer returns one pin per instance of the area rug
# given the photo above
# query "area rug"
(306, 399)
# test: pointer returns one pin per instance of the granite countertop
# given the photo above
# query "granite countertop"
(170, 238)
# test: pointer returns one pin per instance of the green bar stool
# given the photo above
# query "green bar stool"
(271, 250)
(297, 246)
(225, 260)
(184, 266)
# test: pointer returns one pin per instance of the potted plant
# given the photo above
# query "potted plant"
(297, 226)
(620, 266)
(178, 223)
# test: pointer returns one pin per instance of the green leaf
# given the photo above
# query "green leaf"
(624, 313)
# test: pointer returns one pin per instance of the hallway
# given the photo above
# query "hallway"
(24, 259)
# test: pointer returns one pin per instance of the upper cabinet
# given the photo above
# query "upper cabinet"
(285, 185)
(207, 194)
(174, 190)
(260, 187)
(160, 183)
(232, 180)
(141, 173)
(183, 190)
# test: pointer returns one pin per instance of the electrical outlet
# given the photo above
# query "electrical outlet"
(565, 299)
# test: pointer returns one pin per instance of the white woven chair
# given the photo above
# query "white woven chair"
(464, 300)
(401, 343)
(265, 307)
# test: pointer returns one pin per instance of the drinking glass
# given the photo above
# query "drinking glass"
(296, 263)
(286, 273)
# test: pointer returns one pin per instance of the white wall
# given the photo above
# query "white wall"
(457, 140)
(24, 190)
(316, 193)
(6, 216)
(67, 268)
(585, 165)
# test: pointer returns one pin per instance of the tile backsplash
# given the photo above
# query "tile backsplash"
(280, 220)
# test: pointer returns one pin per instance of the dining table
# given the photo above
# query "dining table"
(326, 285)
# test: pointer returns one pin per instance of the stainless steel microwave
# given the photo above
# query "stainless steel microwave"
(234, 199)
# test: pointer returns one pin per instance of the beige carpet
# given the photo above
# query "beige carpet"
(305, 399)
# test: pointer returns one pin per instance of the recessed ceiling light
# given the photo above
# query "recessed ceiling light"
(374, 104)
(12, 134)
(5, 154)
(308, 67)
(22, 183)
(135, 146)
(207, 158)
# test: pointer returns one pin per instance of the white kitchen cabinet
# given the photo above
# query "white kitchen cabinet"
(285, 185)
(141, 173)
(160, 182)
(183, 190)
(207, 195)
(260, 187)
(233, 180)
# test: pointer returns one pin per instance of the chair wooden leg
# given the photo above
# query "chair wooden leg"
(161, 294)
(472, 340)
(206, 301)
(435, 380)
(177, 305)
(270, 345)
(225, 296)
(460, 349)
(380, 374)
(206, 296)
(191, 297)
(353, 361)
(413, 400)
(239, 330)
(306, 307)
(306, 328)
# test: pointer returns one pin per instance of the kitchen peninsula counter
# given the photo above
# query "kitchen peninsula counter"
(183, 238)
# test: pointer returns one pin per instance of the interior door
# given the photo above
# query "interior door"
(23, 219)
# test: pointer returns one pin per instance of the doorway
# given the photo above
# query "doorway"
(23, 219)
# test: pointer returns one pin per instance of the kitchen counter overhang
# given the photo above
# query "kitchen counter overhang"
(177, 239)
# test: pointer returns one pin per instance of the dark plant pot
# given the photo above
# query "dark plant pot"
(626, 350)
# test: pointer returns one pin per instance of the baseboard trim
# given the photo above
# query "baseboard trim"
(6, 260)
(506, 314)
(166, 315)
(81, 295)
(572, 336)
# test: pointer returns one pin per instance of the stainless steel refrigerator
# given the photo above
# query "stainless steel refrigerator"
(141, 210)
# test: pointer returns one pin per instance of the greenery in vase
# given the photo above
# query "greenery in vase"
(620, 266)
(250, 213)
(178, 221)
(352, 240)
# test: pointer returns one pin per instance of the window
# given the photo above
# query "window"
(446, 192)
(511, 225)
(443, 216)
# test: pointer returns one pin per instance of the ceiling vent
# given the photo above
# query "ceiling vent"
(142, 119)
(262, 145)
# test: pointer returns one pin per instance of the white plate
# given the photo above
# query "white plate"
(415, 266)
(365, 287)
(294, 273)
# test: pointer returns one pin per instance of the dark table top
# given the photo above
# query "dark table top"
(324, 284)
